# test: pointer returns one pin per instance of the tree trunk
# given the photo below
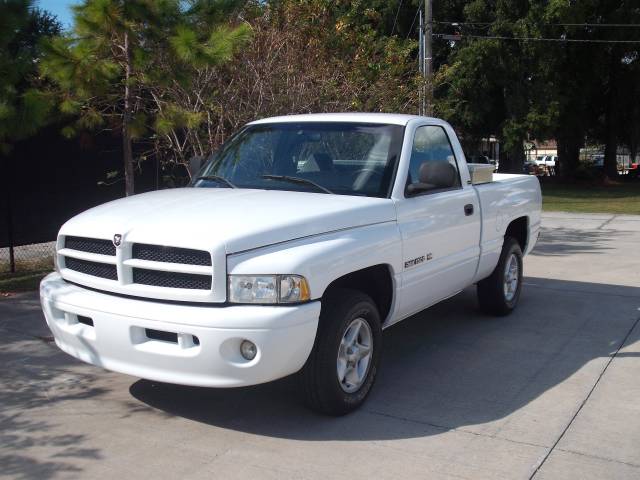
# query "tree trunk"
(126, 121)
(517, 164)
(611, 137)
(569, 144)
(512, 160)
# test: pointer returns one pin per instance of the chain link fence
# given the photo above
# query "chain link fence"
(27, 258)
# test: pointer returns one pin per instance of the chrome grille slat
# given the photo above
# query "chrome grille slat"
(171, 279)
(102, 270)
(145, 270)
(90, 245)
(159, 253)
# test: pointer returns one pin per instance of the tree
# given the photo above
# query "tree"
(304, 56)
(121, 53)
(545, 87)
(486, 85)
(585, 81)
(23, 109)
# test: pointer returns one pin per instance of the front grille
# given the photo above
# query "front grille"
(171, 279)
(159, 253)
(103, 270)
(91, 245)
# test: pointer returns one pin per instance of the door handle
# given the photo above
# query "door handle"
(468, 209)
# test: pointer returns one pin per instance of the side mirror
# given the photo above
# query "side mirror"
(434, 175)
(195, 163)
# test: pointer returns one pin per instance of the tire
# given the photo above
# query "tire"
(494, 296)
(322, 387)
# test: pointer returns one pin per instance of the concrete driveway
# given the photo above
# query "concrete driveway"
(552, 391)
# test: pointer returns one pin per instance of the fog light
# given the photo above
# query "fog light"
(248, 350)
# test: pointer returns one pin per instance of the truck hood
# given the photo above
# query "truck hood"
(239, 219)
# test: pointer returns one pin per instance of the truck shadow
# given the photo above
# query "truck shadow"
(560, 242)
(448, 367)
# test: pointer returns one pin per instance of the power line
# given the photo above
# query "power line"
(428, 57)
(605, 25)
(533, 39)
(413, 23)
(396, 19)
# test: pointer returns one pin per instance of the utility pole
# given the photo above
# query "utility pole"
(421, 109)
(428, 57)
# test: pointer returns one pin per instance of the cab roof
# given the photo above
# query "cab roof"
(386, 118)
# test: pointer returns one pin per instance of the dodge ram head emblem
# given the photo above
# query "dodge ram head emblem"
(117, 239)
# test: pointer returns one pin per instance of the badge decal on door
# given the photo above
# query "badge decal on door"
(415, 261)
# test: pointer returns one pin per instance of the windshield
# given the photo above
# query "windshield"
(340, 158)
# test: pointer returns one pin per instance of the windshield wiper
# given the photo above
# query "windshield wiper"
(303, 181)
(217, 178)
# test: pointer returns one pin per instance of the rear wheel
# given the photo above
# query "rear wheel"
(498, 294)
(343, 363)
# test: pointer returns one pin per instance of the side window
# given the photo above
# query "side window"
(433, 165)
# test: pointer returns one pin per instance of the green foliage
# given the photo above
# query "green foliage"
(35, 110)
(90, 119)
(124, 57)
(518, 88)
(138, 126)
(174, 117)
(224, 42)
(22, 109)
(218, 48)
(192, 71)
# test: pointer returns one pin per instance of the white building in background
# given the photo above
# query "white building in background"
(536, 149)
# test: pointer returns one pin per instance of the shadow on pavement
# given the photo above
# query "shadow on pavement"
(560, 242)
(36, 377)
(445, 368)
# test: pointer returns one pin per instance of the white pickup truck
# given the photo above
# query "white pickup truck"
(291, 250)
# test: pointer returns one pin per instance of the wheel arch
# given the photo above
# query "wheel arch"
(377, 281)
(519, 229)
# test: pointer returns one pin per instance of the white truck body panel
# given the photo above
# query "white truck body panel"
(117, 339)
(265, 232)
(220, 221)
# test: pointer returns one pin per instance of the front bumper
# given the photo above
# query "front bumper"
(202, 347)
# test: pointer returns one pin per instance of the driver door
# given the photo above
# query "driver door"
(439, 222)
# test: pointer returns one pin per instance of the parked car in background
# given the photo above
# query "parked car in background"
(547, 163)
(597, 162)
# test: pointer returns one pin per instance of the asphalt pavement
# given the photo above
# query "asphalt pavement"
(550, 392)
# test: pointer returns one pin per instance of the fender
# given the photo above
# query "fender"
(324, 258)
(507, 198)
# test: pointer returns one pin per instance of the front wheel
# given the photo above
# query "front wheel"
(498, 294)
(343, 363)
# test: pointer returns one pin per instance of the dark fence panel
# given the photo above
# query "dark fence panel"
(48, 179)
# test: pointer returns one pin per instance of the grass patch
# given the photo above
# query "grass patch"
(25, 266)
(21, 281)
(27, 277)
(617, 199)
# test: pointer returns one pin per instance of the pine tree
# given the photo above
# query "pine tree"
(107, 72)
(23, 108)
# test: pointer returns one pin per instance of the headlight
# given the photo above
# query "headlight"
(268, 289)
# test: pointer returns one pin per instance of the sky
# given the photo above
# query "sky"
(60, 8)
